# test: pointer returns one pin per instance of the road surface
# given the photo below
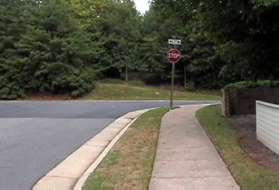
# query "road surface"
(36, 136)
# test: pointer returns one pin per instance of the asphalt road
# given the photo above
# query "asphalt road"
(36, 136)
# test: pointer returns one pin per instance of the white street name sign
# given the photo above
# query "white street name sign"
(174, 42)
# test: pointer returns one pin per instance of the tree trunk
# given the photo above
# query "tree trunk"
(126, 73)
(185, 77)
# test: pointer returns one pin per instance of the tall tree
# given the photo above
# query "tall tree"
(118, 25)
(14, 19)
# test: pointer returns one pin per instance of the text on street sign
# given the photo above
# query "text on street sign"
(174, 42)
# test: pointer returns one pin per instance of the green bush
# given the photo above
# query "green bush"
(252, 84)
(60, 78)
(74, 84)
(10, 90)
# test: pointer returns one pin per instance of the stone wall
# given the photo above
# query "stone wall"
(243, 101)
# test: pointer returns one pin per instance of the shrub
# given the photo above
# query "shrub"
(252, 84)
(10, 90)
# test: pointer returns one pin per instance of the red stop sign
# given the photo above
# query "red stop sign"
(174, 56)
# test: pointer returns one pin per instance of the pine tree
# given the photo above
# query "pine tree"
(14, 16)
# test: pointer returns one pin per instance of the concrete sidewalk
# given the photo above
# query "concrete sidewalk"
(186, 159)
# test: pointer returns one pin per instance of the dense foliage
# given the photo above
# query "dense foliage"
(224, 41)
(43, 49)
(62, 46)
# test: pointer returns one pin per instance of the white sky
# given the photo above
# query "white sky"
(142, 5)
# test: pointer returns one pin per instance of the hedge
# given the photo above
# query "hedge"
(252, 84)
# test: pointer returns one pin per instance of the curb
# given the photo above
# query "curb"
(117, 101)
(73, 172)
(96, 163)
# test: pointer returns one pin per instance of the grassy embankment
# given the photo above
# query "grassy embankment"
(119, 90)
(249, 174)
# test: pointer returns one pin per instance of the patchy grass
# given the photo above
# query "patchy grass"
(129, 164)
(249, 174)
(134, 90)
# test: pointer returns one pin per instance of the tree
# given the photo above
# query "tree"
(118, 25)
(239, 38)
(45, 49)
(250, 26)
(14, 16)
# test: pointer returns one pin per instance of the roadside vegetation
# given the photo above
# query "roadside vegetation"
(135, 90)
(62, 47)
(253, 84)
(248, 173)
(129, 164)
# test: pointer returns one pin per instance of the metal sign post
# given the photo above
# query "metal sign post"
(174, 56)
(172, 85)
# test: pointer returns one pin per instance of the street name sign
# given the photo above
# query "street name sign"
(174, 42)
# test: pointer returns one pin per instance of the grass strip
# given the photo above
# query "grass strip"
(129, 164)
(248, 174)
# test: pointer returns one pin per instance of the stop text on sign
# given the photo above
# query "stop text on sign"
(174, 56)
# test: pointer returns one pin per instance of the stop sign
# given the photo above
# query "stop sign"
(174, 56)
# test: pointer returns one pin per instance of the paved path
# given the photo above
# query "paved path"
(36, 136)
(186, 159)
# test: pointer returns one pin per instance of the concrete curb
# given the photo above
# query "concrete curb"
(76, 168)
(117, 101)
(95, 164)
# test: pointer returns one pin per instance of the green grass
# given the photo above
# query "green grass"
(134, 90)
(249, 174)
(129, 164)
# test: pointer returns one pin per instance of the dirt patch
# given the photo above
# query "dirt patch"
(246, 130)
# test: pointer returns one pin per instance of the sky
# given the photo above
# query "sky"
(142, 5)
